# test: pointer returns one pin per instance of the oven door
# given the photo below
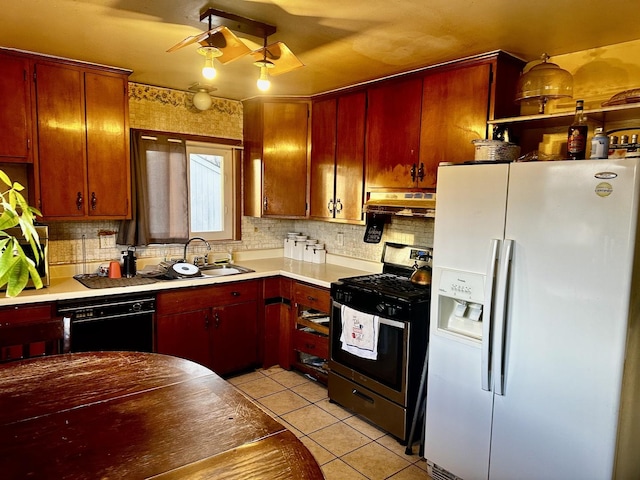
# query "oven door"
(387, 375)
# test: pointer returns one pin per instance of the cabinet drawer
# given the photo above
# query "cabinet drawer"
(27, 314)
(314, 297)
(310, 343)
(234, 292)
(183, 300)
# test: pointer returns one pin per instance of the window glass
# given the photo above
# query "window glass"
(211, 171)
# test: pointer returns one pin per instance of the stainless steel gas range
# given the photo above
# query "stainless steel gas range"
(378, 340)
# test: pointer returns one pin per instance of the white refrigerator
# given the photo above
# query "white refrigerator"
(534, 338)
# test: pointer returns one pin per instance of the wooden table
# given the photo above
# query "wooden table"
(137, 415)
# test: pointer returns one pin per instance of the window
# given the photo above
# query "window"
(211, 191)
(182, 189)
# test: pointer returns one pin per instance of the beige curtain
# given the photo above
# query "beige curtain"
(159, 191)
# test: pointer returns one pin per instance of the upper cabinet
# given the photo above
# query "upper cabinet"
(393, 134)
(337, 158)
(83, 142)
(15, 114)
(432, 116)
(276, 158)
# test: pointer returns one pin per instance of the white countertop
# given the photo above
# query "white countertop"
(64, 288)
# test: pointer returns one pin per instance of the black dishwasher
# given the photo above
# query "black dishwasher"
(111, 323)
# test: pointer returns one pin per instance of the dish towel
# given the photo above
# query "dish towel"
(360, 333)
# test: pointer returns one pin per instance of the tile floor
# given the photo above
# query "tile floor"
(345, 445)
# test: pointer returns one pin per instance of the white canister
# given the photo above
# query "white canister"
(319, 256)
(308, 253)
(298, 250)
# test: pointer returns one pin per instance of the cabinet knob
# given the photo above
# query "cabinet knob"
(207, 322)
(421, 172)
(79, 201)
(94, 200)
(265, 204)
(235, 294)
(217, 320)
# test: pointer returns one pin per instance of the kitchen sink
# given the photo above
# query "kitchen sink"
(224, 269)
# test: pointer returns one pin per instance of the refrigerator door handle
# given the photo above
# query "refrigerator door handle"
(501, 315)
(487, 315)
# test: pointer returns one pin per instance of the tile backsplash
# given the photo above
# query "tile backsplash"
(66, 239)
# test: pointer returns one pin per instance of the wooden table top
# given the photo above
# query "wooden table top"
(137, 415)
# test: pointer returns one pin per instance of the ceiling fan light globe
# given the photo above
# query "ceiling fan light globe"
(209, 72)
(202, 100)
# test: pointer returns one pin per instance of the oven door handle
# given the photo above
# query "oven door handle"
(383, 321)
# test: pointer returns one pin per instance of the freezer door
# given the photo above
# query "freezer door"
(469, 226)
(573, 230)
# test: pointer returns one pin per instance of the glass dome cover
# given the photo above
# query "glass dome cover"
(543, 82)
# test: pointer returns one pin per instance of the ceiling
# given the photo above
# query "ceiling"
(341, 42)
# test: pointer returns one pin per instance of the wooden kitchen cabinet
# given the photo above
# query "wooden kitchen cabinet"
(310, 329)
(275, 158)
(215, 325)
(337, 158)
(83, 142)
(393, 134)
(457, 100)
(15, 115)
(41, 313)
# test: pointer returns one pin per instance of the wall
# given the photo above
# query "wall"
(598, 74)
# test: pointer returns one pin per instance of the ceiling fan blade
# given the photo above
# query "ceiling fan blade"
(280, 55)
(228, 43)
(193, 39)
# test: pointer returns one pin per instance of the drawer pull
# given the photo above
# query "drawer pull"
(312, 299)
(364, 397)
(235, 294)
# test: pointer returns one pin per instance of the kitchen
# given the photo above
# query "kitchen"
(155, 108)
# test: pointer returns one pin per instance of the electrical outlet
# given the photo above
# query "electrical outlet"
(107, 241)
(340, 239)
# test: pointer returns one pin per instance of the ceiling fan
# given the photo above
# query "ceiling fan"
(220, 43)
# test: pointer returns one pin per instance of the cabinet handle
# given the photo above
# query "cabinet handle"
(330, 205)
(310, 346)
(207, 322)
(265, 204)
(79, 201)
(413, 172)
(338, 205)
(94, 200)
(235, 294)
(421, 172)
(312, 299)
(217, 320)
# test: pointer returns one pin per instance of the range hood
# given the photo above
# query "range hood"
(409, 204)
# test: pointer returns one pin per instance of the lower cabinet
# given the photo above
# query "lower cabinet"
(215, 326)
(310, 329)
(34, 318)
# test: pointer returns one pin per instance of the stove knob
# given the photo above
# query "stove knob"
(381, 307)
(391, 311)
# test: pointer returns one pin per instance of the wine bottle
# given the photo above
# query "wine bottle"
(577, 137)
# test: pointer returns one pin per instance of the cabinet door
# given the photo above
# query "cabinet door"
(234, 337)
(107, 146)
(393, 133)
(323, 159)
(15, 114)
(285, 159)
(350, 156)
(454, 112)
(61, 140)
(185, 335)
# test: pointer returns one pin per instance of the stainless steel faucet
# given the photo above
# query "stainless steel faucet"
(184, 257)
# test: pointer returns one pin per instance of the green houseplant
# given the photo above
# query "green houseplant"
(15, 266)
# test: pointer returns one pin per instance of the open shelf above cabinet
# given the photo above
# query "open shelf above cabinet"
(605, 115)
